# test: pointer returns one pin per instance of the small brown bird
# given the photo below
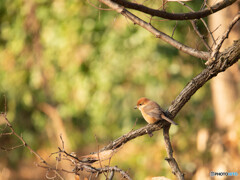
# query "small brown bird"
(151, 111)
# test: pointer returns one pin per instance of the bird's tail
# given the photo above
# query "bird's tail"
(169, 120)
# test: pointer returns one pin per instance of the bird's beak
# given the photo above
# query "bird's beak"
(135, 107)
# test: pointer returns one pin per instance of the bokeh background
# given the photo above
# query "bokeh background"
(69, 68)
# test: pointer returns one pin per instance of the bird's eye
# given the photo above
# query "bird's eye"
(140, 104)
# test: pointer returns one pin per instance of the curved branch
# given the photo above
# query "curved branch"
(176, 16)
(134, 134)
(224, 61)
(157, 33)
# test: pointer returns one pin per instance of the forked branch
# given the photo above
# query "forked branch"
(219, 44)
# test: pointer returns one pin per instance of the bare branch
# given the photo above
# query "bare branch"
(133, 134)
(89, 168)
(174, 29)
(157, 33)
(170, 159)
(175, 16)
(215, 52)
(100, 161)
(62, 141)
(111, 175)
(11, 148)
(224, 61)
(54, 169)
(80, 165)
(91, 4)
(69, 155)
(26, 145)
(7, 133)
(77, 163)
(193, 22)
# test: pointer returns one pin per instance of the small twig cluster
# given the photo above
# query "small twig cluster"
(77, 164)
(23, 143)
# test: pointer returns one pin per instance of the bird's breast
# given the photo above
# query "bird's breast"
(148, 118)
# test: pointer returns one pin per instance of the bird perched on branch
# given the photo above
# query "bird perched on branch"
(151, 111)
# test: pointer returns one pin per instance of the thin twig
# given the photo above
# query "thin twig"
(100, 161)
(97, 170)
(193, 22)
(217, 37)
(11, 148)
(99, 8)
(204, 23)
(213, 31)
(6, 134)
(54, 169)
(111, 175)
(219, 44)
(62, 141)
(70, 155)
(203, 4)
(174, 29)
(27, 146)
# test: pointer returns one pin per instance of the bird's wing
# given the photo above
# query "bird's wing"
(155, 112)
(158, 113)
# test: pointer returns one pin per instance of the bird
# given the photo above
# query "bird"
(151, 111)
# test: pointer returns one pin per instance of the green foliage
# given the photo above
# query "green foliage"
(92, 66)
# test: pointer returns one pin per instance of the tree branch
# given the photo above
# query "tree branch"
(170, 159)
(193, 22)
(78, 164)
(134, 134)
(218, 45)
(157, 33)
(4, 115)
(225, 60)
(106, 169)
(176, 16)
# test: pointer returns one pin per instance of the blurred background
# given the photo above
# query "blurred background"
(69, 68)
